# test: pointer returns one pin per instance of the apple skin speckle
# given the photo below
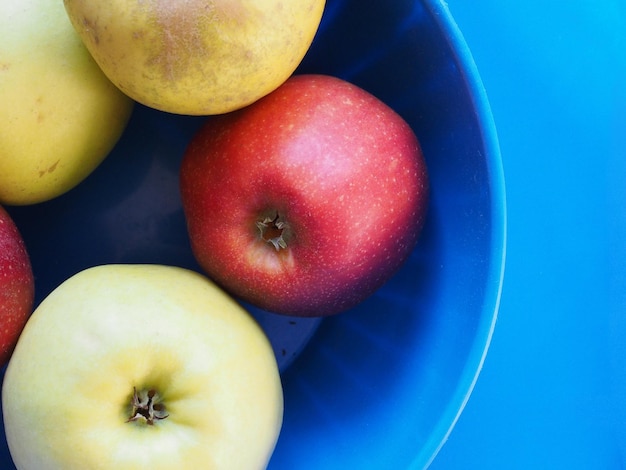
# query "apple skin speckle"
(17, 286)
(340, 167)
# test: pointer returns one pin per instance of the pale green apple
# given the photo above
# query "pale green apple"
(59, 114)
(197, 56)
(141, 366)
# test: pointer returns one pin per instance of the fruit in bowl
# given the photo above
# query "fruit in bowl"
(17, 285)
(141, 366)
(197, 57)
(307, 201)
(60, 115)
(381, 385)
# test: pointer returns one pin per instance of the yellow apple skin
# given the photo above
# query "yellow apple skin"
(60, 116)
(197, 57)
(67, 391)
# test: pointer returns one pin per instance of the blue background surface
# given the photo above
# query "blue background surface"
(552, 393)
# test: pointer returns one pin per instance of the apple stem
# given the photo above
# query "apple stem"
(145, 405)
(273, 231)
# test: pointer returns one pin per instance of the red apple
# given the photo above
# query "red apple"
(17, 286)
(307, 201)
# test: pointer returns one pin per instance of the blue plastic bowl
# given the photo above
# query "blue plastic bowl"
(380, 386)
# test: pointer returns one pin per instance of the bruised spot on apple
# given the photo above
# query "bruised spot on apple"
(196, 56)
(55, 100)
(307, 201)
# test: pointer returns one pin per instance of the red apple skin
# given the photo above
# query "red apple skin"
(17, 286)
(341, 169)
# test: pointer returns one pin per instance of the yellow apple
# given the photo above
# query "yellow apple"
(59, 114)
(141, 366)
(197, 57)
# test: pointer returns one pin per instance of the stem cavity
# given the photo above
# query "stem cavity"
(275, 231)
(145, 406)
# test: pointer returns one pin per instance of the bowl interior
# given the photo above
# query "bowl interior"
(379, 386)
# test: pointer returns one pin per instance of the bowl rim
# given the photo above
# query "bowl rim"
(478, 95)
